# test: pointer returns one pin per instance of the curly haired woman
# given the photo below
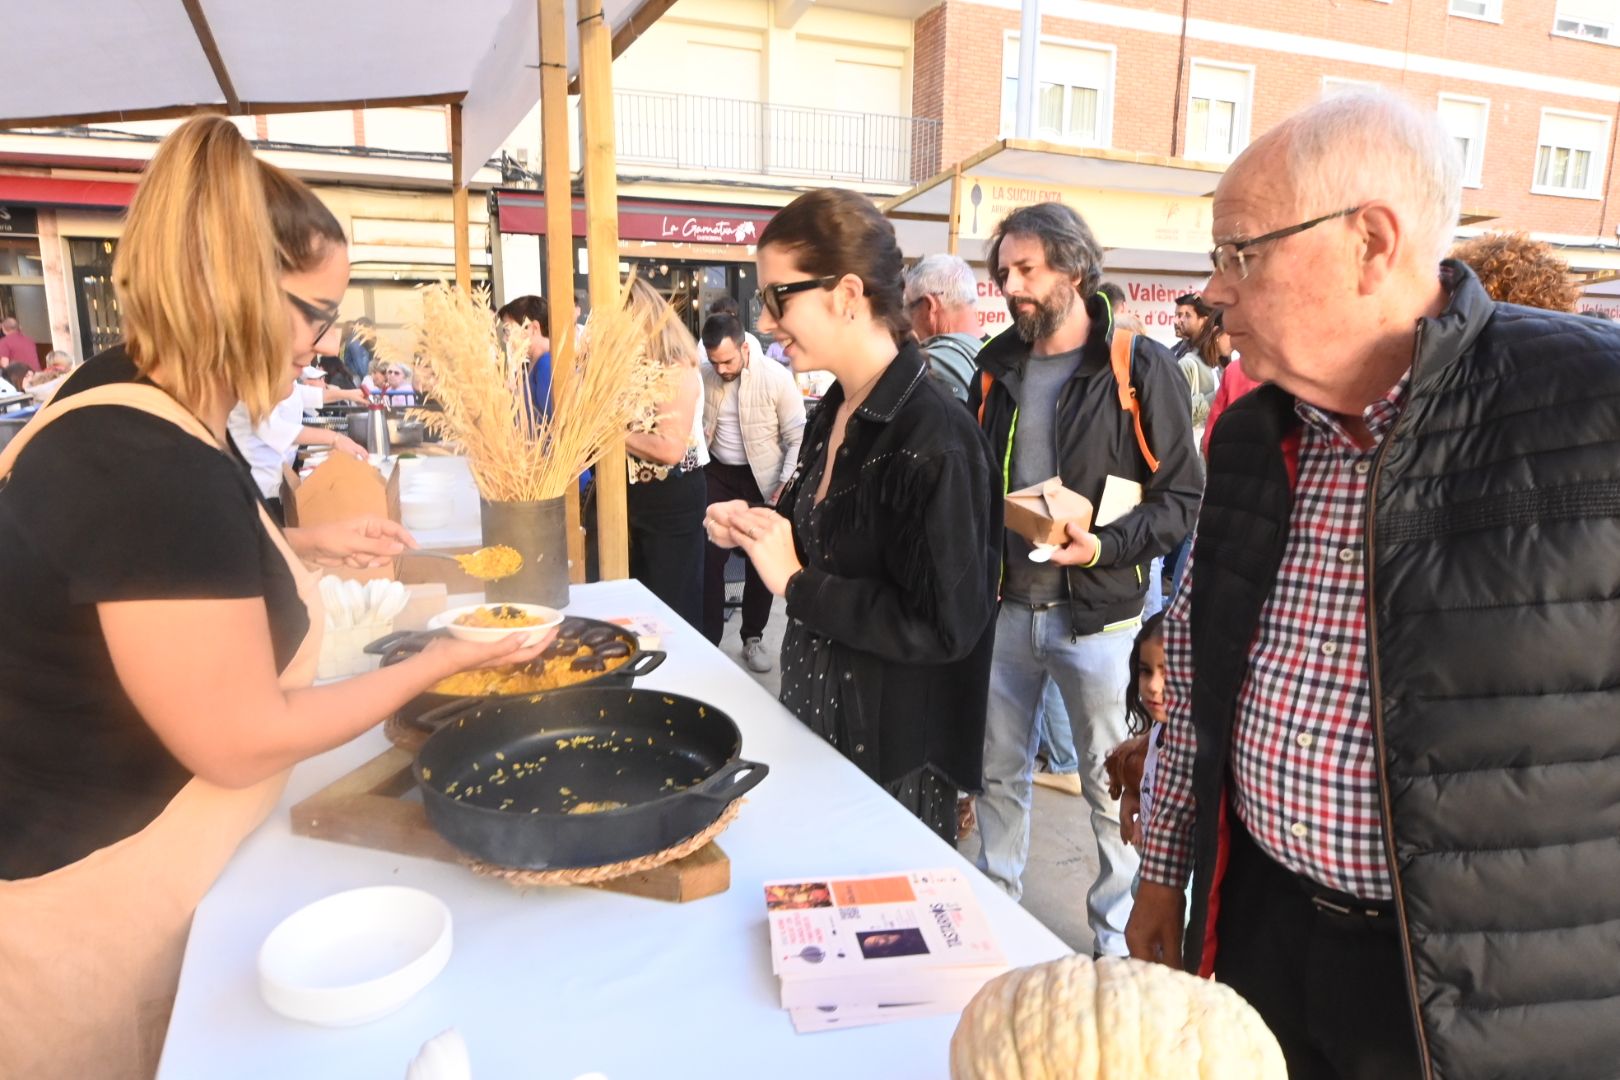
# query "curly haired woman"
(1518, 270)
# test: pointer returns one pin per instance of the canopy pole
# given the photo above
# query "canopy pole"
(602, 248)
(1029, 40)
(954, 230)
(553, 22)
(458, 203)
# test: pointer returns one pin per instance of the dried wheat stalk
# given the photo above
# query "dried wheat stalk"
(480, 379)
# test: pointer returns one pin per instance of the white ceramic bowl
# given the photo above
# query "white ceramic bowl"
(429, 487)
(549, 617)
(420, 511)
(354, 956)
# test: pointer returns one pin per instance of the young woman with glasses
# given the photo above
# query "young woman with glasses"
(887, 541)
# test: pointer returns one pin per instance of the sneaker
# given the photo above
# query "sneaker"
(758, 658)
(1066, 782)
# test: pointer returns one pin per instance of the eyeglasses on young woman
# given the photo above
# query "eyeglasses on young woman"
(773, 296)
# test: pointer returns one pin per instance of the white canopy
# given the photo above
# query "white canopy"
(1149, 213)
(80, 61)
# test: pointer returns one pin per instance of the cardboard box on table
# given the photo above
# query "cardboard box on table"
(342, 488)
(1041, 514)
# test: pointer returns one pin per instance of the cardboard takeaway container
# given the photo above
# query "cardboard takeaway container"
(1041, 514)
(339, 489)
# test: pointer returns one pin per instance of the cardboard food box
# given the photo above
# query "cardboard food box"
(339, 489)
(1042, 514)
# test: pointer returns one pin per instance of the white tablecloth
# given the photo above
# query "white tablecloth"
(552, 983)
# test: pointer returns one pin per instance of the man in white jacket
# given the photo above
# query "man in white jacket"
(753, 420)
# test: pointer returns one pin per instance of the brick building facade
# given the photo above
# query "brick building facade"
(1531, 88)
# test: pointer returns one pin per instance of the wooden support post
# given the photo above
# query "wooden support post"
(458, 203)
(559, 221)
(955, 227)
(602, 247)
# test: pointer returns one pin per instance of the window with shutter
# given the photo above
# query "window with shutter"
(1593, 20)
(1465, 118)
(1489, 10)
(1218, 99)
(1073, 92)
(1569, 154)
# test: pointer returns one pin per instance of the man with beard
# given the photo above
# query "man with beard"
(1047, 398)
(753, 420)
(1192, 314)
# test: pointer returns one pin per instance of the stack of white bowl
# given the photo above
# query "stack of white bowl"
(426, 499)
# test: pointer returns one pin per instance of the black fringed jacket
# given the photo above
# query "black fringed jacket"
(901, 578)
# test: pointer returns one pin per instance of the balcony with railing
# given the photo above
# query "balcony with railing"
(688, 132)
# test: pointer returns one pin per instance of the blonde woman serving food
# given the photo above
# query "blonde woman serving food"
(159, 632)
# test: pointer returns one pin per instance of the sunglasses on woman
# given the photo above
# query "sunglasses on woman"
(773, 296)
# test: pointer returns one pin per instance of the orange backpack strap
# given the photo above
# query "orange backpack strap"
(1120, 354)
(984, 392)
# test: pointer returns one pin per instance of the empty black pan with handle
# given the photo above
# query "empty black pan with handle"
(580, 777)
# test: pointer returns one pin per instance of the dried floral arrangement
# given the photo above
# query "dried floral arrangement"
(479, 377)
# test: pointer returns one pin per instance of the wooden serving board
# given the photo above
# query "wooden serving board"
(367, 808)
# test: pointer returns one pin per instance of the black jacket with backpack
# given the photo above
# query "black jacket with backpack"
(953, 359)
(1492, 561)
(1098, 438)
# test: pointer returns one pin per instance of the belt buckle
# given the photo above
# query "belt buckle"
(1322, 903)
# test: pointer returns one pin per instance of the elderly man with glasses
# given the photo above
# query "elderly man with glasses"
(941, 294)
(1392, 763)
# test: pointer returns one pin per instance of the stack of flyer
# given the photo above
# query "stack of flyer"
(867, 950)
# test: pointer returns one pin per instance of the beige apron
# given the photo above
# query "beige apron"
(90, 954)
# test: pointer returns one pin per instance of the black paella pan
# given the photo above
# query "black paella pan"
(580, 777)
(584, 638)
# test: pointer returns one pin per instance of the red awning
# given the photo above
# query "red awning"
(50, 191)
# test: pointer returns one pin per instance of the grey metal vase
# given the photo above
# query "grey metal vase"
(539, 532)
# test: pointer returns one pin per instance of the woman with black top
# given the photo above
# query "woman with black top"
(668, 491)
(886, 543)
(158, 633)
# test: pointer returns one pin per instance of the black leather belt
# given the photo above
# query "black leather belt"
(1342, 904)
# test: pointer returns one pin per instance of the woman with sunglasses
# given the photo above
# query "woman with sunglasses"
(159, 632)
(887, 541)
(398, 389)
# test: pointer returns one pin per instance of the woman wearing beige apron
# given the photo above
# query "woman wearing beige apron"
(186, 698)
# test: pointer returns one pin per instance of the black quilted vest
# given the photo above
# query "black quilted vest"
(1494, 625)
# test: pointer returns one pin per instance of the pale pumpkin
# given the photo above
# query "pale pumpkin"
(443, 1057)
(1111, 1019)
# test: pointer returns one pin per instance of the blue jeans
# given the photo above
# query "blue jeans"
(1154, 603)
(1056, 738)
(1031, 647)
(1182, 553)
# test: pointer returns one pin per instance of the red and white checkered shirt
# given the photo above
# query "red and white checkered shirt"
(1305, 778)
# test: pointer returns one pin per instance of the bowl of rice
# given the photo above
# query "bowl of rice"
(492, 622)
